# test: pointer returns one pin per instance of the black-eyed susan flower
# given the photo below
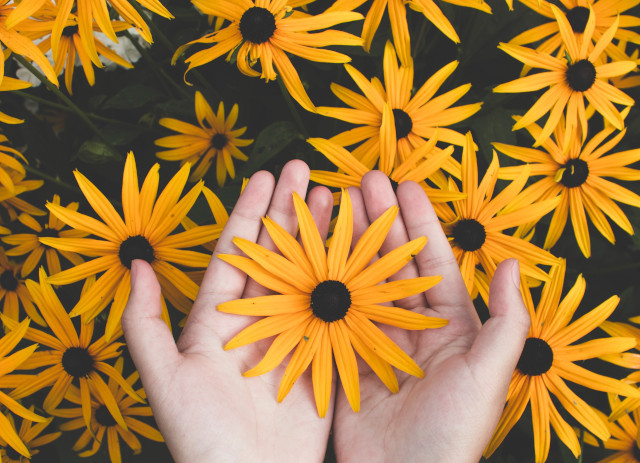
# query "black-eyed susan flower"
(145, 233)
(391, 122)
(10, 160)
(571, 79)
(215, 140)
(475, 225)
(624, 435)
(398, 19)
(85, 16)
(266, 31)
(423, 163)
(548, 35)
(327, 301)
(31, 435)
(14, 293)
(71, 357)
(9, 196)
(8, 364)
(72, 44)
(575, 172)
(103, 424)
(547, 360)
(29, 243)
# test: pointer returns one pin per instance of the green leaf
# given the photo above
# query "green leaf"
(271, 141)
(135, 96)
(493, 126)
(119, 136)
(96, 152)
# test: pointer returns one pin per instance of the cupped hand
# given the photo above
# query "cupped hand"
(450, 414)
(205, 409)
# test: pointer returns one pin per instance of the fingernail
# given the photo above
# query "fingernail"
(515, 273)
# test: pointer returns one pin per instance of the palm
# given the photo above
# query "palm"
(427, 417)
(205, 408)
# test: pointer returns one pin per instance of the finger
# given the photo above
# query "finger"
(378, 197)
(498, 346)
(436, 258)
(222, 281)
(360, 218)
(320, 202)
(294, 177)
(148, 337)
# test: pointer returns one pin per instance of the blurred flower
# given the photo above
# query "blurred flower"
(215, 139)
(392, 122)
(476, 223)
(70, 357)
(143, 234)
(30, 242)
(267, 33)
(103, 426)
(548, 360)
(327, 301)
(31, 435)
(571, 79)
(575, 172)
(398, 18)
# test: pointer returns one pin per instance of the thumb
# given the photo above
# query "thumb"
(498, 346)
(148, 338)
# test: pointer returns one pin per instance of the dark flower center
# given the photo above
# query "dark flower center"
(578, 18)
(581, 75)
(536, 357)
(104, 417)
(330, 300)
(575, 173)
(8, 280)
(219, 140)
(48, 233)
(257, 25)
(636, 451)
(12, 454)
(403, 123)
(135, 247)
(70, 31)
(469, 234)
(77, 361)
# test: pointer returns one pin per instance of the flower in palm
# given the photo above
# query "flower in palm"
(327, 301)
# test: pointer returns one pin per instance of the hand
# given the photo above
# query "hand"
(205, 409)
(450, 415)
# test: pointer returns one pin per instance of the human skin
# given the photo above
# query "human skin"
(208, 412)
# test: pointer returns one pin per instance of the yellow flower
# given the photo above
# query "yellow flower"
(103, 421)
(72, 43)
(31, 435)
(570, 80)
(14, 292)
(575, 172)
(327, 301)
(577, 14)
(143, 234)
(392, 123)
(423, 163)
(624, 435)
(85, 15)
(266, 30)
(475, 225)
(548, 359)
(215, 139)
(70, 357)
(398, 18)
(30, 242)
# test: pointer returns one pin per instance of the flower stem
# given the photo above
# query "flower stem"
(53, 180)
(293, 109)
(72, 106)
